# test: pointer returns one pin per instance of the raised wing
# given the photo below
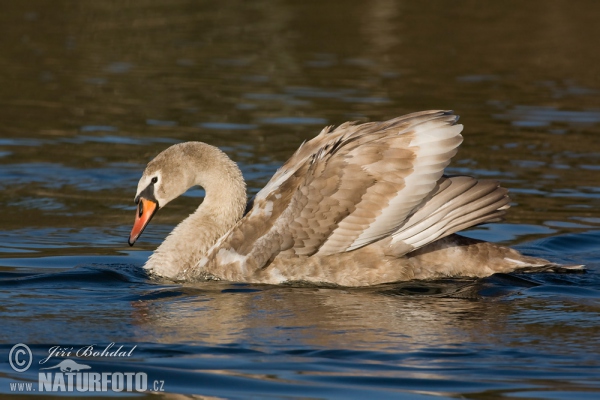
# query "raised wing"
(342, 190)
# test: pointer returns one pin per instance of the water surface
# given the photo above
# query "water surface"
(91, 91)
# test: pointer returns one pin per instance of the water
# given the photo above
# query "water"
(91, 91)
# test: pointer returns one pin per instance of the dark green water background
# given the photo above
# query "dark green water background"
(91, 91)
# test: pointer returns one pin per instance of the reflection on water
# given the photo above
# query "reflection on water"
(408, 336)
(315, 317)
(92, 90)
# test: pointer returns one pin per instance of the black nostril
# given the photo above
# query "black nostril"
(141, 208)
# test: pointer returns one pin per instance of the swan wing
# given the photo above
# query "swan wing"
(344, 189)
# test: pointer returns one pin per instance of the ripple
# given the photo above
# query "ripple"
(37, 203)
(294, 121)
(119, 67)
(98, 128)
(103, 139)
(501, 232)
(21, 142)
(226, 126)
(159, 122)
(477, 78)
(55, 176)
(539, 116)
(367, 100)
(320, 92)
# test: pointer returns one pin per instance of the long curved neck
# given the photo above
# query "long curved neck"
(222, 207)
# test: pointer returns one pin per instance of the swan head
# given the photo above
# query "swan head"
(165, 178)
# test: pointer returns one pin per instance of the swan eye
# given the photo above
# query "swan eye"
(154, 180)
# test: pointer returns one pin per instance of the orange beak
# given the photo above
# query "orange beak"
(145, 212)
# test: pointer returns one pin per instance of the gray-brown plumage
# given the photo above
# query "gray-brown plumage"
(357, 205)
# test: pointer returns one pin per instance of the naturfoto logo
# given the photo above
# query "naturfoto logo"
(68, 375)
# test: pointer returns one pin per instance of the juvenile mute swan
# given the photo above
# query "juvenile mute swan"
(355, 206)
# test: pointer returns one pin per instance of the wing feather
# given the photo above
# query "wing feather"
(344, 189)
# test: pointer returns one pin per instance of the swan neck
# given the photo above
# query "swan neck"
(225, 190)
(222, 207)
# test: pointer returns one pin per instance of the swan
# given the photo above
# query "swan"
(358, 205)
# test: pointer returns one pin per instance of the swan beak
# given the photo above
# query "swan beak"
(145, 212)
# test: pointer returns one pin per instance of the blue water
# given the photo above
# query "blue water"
(92, 91)
(516, 334)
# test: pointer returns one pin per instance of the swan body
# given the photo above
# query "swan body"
(355, 206)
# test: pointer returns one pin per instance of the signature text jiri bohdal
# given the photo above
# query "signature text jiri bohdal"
(91, 350)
